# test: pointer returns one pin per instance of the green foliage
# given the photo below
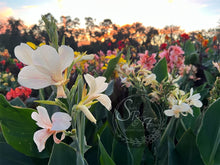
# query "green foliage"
(104, 157)
(191, 55)
(62, 154)
(160, 70)
(208, 139)
(18, 128)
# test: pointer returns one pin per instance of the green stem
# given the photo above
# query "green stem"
(184, 126)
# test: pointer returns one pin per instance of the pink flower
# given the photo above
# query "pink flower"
(60, 122)
(147, 61)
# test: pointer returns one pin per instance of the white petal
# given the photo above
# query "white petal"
(30, 77)
(60, 121)
(87, 113)
(88, 57)
(24, 53)
(91, 82)
(191, 91)
(66, 56)
(195, 97)
(100, 84)
(42, 118)
(105, 100)
(184, 107)
(197, 103)
(47, 57)
(169, 112)
(40, 138)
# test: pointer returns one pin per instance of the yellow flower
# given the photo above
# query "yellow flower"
(12, 79)
(5, 84)
(5, 75)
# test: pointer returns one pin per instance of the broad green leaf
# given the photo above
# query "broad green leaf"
(209, 77)
(160, 70)
(137, 153)
(104, 157)
(208, 138)
(111, 66)
(62, 154)
(17, 102)
(10, 156)
(187, 149)
(110, 88)
(125, 156)
(18, 128)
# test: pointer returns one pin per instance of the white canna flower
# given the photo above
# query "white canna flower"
(60, 122)
(96, 87)
(176, 110)
(194, 99)
(45, 66)
(149, 79)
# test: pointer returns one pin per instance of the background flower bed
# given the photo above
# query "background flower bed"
(193, 63)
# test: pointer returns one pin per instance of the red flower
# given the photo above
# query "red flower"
(109, 44)
(19, 65)
(3, 62)
(184, 36)
(163, 46)
(21, 92)
(121, 45)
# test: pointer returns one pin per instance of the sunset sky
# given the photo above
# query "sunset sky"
(189, 14)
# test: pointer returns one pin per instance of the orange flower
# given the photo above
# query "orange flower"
(205, 43)
(214, 38)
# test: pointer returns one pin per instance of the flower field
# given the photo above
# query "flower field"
(124, 106)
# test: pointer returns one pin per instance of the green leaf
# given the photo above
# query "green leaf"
(208, 138)
(187, 149)
(209, 77)
(62, 154)
(110, 88)
(18, 128)
(17, 102)
(10, 156)
(160, 70)
(111, 66)
(125, 156)
(105, 159)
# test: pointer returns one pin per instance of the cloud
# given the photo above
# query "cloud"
(29, 7)
(6, 12)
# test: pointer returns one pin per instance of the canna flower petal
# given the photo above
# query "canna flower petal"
(30, 77)
(96, 85)
(40, 138)
(56, 140)
(169, 112)
(47, 58)
(87, 113)
(42, 117)
(66, 56)
(24, 53)
(105, 100)
(61, 121)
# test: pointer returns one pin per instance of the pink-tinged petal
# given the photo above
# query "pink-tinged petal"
(105, 100)
(42, 118)
(23, 52)
(61, 121)
(66, 56)
(169, 112)
(87, 113)
(30, 77)
(47, 57)
(56, 140)
(91, 82)
(40, 138)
